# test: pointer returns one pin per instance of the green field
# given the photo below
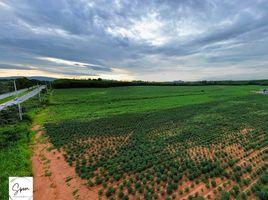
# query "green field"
(93, 103)
(164, 142)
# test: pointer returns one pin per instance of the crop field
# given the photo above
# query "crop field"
(156, 142)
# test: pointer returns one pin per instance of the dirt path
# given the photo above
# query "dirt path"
(54, 179)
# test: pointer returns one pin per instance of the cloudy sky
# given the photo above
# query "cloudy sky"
(156, 40)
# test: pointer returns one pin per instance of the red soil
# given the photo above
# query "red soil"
(50, 173)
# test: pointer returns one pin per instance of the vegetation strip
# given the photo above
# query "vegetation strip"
(212, 148)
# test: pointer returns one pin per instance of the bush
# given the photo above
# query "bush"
(109, 192)
(9, 116)
(98, 180)
(169, 189)
(125, 197)
(235, 190)
(231, 163)
(190, 197)
(225, 196)
(243, 195)
(213, 183)
(264, 179)
(10, 134)
(121, 195)
(249, 168)
(263, 194)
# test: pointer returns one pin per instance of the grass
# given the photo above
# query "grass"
(102, 102)
(15, 144)
(15, 155)
(164, 137)
(14, 96)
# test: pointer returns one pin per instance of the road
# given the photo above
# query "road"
(22, 98)
(2, 96)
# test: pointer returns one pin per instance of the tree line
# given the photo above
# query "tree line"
(7, 85)
(100, 83)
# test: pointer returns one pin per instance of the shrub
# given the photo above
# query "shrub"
(125, 197)
(98, 180)
(225, 196)
(243, 195)
(264, 179)
(263, 194)
(121, 195)
(235, 190)
(231, 163)
(169, 189)
(100, 192)
(213, 183)
(190, 197)
(110, 191)
(249, 168)
(10, 134)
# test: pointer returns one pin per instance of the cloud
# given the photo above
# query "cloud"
(188, 39)
(99, 68)
(62, 61)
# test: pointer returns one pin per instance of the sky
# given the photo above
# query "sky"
(157, 40)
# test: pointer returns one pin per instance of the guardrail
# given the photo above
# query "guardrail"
(23, 98)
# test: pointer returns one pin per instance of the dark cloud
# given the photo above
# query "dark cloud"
(99, 68)
(7, 66)
(187, 38)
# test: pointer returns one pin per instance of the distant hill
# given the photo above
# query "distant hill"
(40, 78)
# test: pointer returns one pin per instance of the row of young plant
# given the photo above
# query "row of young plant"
(132, 155)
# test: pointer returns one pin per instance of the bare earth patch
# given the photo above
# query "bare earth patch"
(54, 179)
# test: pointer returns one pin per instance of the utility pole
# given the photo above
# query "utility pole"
(39, 92)
(47, 86)
(19, 107)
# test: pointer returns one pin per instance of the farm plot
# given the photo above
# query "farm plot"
(217, 148)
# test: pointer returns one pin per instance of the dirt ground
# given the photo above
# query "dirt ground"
(54, 179)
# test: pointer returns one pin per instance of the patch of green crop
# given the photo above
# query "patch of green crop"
(151, 134)
(92, 103)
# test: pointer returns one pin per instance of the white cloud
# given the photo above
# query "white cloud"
(4, 6)
(148, 29)
(65, 62)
